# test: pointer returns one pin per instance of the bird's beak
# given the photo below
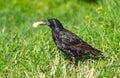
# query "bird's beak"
(43, 22)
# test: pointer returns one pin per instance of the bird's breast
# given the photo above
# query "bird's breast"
(57, 40)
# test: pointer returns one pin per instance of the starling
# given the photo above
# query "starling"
(68, 42)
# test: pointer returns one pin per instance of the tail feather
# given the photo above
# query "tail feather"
(97, 53)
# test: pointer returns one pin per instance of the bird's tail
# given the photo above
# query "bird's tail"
(97, 53)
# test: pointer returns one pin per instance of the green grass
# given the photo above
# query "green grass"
(26, 52)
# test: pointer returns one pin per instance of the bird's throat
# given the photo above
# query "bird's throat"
(56, 30)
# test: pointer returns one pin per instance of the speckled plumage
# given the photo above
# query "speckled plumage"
(68, 42)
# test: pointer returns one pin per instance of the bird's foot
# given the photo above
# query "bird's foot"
(73, 60)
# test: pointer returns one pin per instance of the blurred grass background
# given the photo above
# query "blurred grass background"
(26, 52)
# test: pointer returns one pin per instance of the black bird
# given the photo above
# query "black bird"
(67, 41)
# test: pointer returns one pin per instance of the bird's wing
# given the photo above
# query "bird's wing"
(69, 38)
(77, 44)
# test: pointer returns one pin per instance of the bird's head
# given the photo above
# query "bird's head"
(53, 23)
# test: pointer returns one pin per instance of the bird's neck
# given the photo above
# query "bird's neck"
(56, 32)
(56, 28)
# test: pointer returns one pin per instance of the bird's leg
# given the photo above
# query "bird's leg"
(73, 59)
